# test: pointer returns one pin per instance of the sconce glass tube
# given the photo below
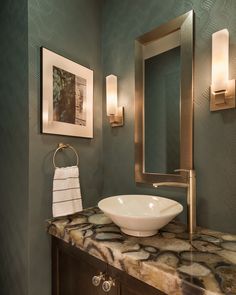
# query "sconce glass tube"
(222, 89)
(115, 113)
(111, 91)
(220, 61)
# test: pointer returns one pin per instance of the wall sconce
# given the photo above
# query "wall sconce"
(115, 113)
(222, 89)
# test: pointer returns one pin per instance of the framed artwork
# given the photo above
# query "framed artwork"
(67, 96)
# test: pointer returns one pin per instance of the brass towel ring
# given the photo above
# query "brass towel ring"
(63, 146)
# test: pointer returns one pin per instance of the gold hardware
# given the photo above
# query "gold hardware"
(107, 285)
(117, 120)
(222, 100)
(96, 280)
(63, 146)
(191, 196)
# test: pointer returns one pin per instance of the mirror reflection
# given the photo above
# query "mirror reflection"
(162, 111)
(164, 101)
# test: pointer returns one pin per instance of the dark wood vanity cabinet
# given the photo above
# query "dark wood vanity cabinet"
(73, 270)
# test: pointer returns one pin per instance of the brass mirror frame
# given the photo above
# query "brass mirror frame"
(184, 23)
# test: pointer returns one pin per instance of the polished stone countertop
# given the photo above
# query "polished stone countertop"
(170, 261)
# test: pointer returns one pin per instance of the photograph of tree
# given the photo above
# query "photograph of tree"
(69, 97)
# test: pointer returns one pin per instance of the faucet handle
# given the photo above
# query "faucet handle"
(190, 172)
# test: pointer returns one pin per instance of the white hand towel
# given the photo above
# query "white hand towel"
(66, 191)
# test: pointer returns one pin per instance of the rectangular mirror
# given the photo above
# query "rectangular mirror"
(164, 101)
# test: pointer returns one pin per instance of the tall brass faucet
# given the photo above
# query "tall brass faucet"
(191, 196)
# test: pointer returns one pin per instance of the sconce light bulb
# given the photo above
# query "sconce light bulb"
(220, 61)
(111, 94)
(222, 89)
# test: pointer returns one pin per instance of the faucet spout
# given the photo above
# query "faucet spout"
(191, 196)
(174, 184)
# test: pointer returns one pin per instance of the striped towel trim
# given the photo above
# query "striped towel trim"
(71, 177)
(69, 200)
(65, 189)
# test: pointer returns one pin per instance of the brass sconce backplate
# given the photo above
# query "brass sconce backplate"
(117, 120)
(225, 99)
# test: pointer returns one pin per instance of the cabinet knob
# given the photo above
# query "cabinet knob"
(96, 280)
(106, 285)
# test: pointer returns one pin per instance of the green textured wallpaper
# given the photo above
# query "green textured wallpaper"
(99, 35)
(72, 29)
(14, 148)
(214, 133)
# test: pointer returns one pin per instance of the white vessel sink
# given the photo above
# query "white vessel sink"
(140, 215)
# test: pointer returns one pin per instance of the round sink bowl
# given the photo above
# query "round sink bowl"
(140, 215)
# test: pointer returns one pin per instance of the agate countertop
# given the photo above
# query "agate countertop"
(170, 261)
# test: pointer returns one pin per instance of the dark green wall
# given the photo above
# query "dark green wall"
(14, 148)
(215, 133)
(72, 29)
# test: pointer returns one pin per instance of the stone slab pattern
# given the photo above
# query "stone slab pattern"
(172, 261)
